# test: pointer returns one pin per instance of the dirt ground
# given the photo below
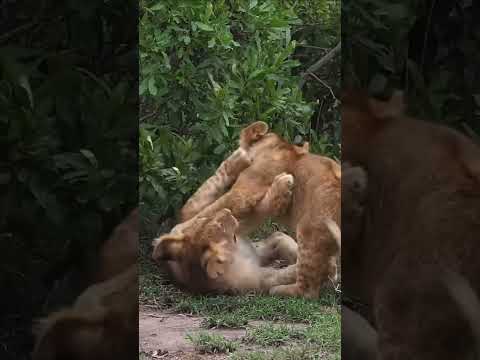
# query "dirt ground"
(163, 335)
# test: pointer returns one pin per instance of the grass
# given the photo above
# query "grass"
(235, 311)
(206, 343)
(272, 335)
(290, 329)
(292, 353)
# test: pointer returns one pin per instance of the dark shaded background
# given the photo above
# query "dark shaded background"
(68, 145)
(428, 48)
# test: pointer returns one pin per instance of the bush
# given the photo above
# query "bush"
(207, 69)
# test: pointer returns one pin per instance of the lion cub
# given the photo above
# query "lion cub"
(226, 263)
(314, 212)
(210, 254)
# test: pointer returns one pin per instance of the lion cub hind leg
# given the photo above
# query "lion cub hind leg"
(272, 278)
(316, 253)
(278, 246)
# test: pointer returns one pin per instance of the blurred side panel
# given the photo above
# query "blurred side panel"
(411, 125)
(68, 179)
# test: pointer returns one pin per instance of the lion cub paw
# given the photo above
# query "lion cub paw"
(284, 181)
(294, 290)
(286, 290)
(281, 193)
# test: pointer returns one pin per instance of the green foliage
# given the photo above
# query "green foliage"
(207, 69)
(68, 124)
(59, 161)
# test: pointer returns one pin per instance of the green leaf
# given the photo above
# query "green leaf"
(152, 87)
(143, 86)
(204, 27)
(220, 149)
(24, 83)
(90, 157)
(158, 6)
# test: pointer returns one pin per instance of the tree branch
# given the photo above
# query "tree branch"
(321, 62)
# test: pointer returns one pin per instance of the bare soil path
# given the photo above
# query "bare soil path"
(163, 335)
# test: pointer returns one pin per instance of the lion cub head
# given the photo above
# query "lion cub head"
(205, 242)
(258, 141)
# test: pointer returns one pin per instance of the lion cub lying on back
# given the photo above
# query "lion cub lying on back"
(313, 214)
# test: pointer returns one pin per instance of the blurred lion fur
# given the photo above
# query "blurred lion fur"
(103, 321)
(422, 214)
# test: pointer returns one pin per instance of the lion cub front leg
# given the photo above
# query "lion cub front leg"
(216, 185)
(251, 207)
(273, 202)
(278, 197)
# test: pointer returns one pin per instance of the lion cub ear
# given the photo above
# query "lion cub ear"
(168, 247)
(215, 260)
(252, 133)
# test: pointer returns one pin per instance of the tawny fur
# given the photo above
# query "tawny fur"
(216, 185)
(103, 322)
(211, 239)
(422, 215)
(208, 254)
(248, 271)
(315, 201)
(121, 249)
(359, 338)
